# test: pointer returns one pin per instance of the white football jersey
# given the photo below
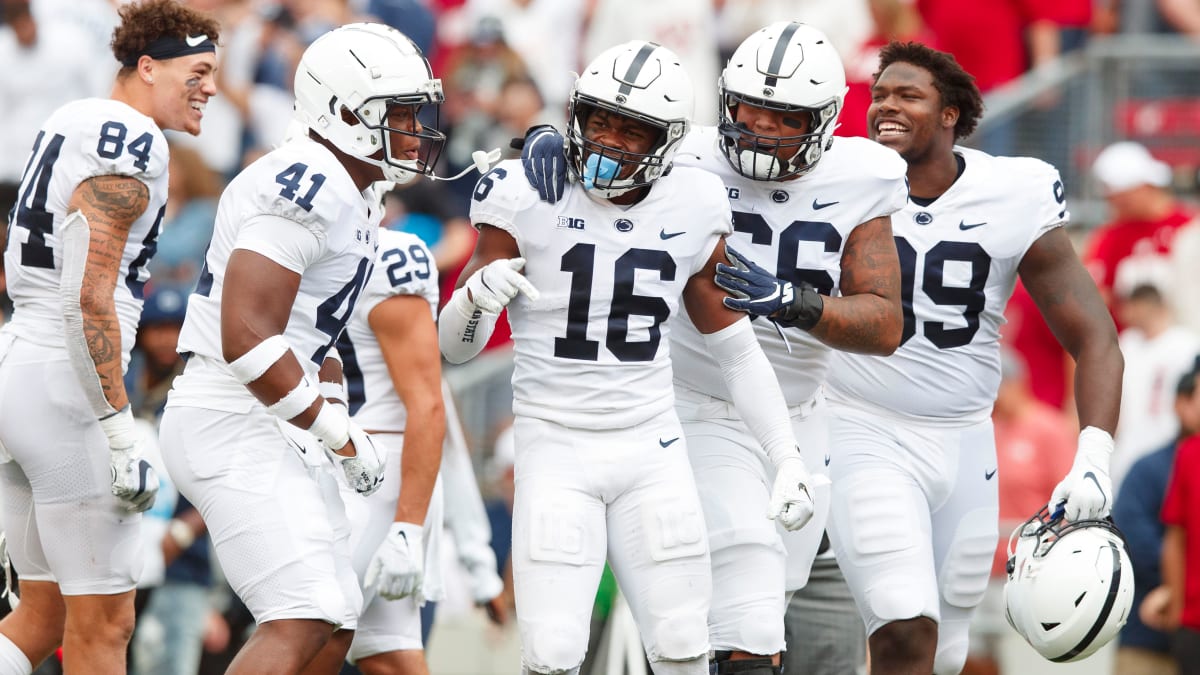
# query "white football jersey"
(304, 184)
(403, 266)
(796, 229)
(592, 352)
(81, 140)
(958, 261)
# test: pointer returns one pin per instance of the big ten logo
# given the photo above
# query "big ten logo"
(734, 193)
(674, 529)
(570, 223)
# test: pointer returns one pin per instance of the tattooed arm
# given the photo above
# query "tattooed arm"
(867, 317)
(110, 204)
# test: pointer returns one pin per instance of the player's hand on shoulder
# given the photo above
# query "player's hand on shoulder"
(134, 481)
(495, 285)
(398, 567)
(544, 160)
(792, 503)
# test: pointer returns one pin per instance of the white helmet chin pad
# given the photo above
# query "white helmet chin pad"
(1070, 585)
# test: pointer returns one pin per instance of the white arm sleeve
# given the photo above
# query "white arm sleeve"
(753, 388)
(463, 328)
(76, 237)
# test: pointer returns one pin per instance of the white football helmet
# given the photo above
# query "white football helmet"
(368, 70)
(640, 80)
(789, 67)
(1070, 585)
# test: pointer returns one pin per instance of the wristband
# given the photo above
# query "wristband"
(250, 366)
(296, 401)
(119, 428)
(332, 426)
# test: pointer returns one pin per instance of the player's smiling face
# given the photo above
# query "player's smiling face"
(906, 112)
(187, 82)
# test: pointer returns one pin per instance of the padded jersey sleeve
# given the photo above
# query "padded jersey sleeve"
(500, 195)
(403, 266)
(883, 173)
(1046, 196)
(119, 141)
(284, 241)
(711, 210)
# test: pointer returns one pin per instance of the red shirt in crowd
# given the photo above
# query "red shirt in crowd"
(1181, 508)
(1121, 239)
(1027, 333)
(985, 36)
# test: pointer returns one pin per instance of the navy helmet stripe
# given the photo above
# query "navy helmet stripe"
(1114, 587)
(635, 67)
(781, 46)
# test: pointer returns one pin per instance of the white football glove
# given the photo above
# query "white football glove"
(398, 566)
(364, 471)
(493, 286)
(1086, 492)
(483, 581)
(134, 481)
(791, 495)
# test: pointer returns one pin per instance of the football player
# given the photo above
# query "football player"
(393, 375)
(914, 516)
(85, 224)
(602, 460)
(293, 245)
(816, 210)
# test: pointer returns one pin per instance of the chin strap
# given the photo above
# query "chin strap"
(483, 161)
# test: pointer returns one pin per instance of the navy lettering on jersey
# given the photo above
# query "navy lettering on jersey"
(579, 261)
(970, 297)
(30, 211)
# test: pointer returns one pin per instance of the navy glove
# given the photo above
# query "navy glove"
(545, 162)
(757, 292)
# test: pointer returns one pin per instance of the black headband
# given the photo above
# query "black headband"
(170, 47)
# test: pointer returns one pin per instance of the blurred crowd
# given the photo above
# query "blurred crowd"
(507, 65)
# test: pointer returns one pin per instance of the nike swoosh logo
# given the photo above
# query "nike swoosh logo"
(143, 469)
(817, 206)
(667, 444)
(663, 234)
(827, 458)
(195, 40)
(987, 475)
(1096, 481)
(964, 226)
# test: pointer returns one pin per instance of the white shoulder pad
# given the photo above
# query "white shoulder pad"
(310, 187)
(403, 266)
(1041, 188)
(500, 195)
(880, 172)
(707, 201)
(116, 140)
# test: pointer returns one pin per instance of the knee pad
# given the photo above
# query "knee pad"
(968, 563)
(753, 666)
(679, 637)
(553, 648)
(951, 654)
